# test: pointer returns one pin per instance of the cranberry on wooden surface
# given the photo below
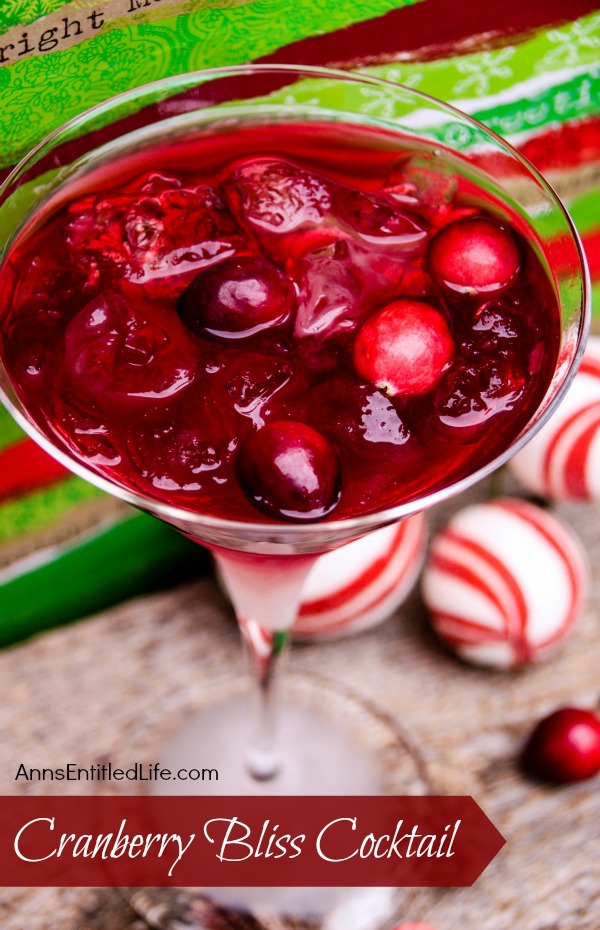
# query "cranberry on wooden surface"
(404, 348)
(288, 470)
(565, 746)
(476, 255)
(237, 298)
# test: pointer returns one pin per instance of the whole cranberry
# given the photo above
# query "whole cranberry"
(473, 392)
(404, 348)
(476, 255)
(565, 746)
(237, 298)
(117, 350)
(290, 471)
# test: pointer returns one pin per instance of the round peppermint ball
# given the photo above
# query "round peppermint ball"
(362, 583)
(562, 461)
(504, 582)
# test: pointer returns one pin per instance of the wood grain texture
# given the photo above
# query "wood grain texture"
(112, 686)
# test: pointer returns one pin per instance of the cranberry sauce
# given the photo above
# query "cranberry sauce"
(322, 326)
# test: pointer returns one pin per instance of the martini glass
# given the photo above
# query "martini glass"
(264, 564)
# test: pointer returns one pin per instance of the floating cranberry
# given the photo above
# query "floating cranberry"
(565, 746)
(237, 298)
(117, 350)
(476, 255)
(47, 286)
(472, 392)
(404, 348)
(495, 330)
(91, 436)
(427, 184)
(253, 384)
(290, 471)
(188, 453)
(30, 342)
(357, 416)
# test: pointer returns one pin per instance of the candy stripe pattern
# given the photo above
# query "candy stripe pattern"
(361, 584)
(563, 460)
(259, 642)
(504, 582)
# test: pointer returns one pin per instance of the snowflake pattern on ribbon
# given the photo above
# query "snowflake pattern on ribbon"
(480, 72)
(571, 44)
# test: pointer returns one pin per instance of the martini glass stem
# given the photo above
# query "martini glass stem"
(265, 592)
(265, 649)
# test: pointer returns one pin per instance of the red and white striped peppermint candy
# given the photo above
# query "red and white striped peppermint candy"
(258, 639)
(504, 582)
(360, 584)
(563, 460)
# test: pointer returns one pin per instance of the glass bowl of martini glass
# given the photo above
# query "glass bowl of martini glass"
(280, 308)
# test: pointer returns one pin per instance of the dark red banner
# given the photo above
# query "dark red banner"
(234, 841)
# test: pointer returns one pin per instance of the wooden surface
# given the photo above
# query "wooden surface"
(105, 688)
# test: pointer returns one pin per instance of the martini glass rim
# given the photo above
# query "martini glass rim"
(271, 531)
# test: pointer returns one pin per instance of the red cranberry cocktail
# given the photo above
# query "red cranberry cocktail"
(279, 322)
(294, 333)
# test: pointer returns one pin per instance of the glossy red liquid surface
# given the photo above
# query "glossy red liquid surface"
(180, 299)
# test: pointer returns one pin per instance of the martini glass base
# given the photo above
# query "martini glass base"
(317, 756)
(332, 741)
(266, 908)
